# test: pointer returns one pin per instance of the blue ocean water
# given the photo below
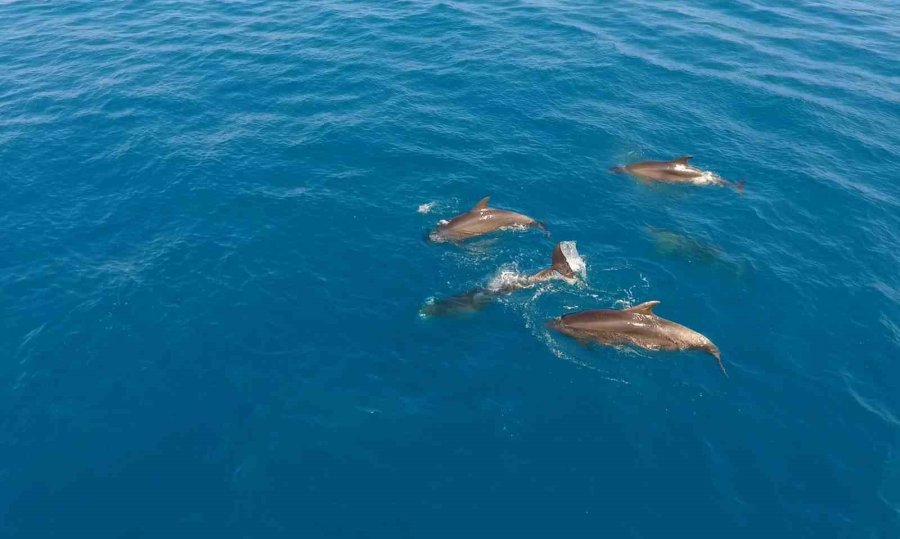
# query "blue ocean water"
(212, 266)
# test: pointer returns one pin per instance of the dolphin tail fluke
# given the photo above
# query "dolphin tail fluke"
(561, 263)
(739, 186)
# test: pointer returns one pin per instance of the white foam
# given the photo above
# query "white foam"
(515, 227)
(576, 262)
(427, 207)
(706, 177)
(429, 301)
(509, 277)
(534, 317)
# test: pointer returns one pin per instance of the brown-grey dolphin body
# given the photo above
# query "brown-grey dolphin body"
(676, 171)
(636, 326)
(479, 298)
(478, 221)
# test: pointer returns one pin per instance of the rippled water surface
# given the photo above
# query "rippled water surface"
(212, 265)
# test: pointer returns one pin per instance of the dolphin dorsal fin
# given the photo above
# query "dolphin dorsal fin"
(683, 160)
(482, 204)
(561, 264)
(644, 308)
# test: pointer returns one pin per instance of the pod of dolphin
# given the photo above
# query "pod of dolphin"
(636, 326)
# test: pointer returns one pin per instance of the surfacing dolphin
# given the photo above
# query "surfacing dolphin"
(635, 326)
(676, 171)
(567, 265)
(478, 221)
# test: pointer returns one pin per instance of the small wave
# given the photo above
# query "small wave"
(872, 407)
(426, 208)
(555, 349)
(21, 352)
(284, 193)
(533, 322)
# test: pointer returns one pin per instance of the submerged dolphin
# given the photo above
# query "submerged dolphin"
(567, 265)
(636, 326)
(693, 250)
(478, 221)
(672, 243)
(676, 171)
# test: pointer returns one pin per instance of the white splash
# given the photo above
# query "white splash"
(515, 228)
(706, 177)
(576, 262)
(509, 277)
(427, 207)
(429, 301)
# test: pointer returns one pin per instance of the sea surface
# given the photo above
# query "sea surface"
(212, 265)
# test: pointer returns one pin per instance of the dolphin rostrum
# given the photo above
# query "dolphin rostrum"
(635, 326)
(676, 171)
(478, 221)
(567, 265)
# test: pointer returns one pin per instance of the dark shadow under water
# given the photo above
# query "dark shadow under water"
(673, 244)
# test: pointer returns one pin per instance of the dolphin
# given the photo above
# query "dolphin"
(692, 250)
(478, 221)
(672, 243)
(635, 326)
(566, 265)
(676, 171)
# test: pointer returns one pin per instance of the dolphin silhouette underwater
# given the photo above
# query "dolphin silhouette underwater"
(566, 265)
(478, 221)
(635, 326)
(677, 171)
(673, 243)
(687, 248)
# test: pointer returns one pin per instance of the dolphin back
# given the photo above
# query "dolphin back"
(481, 219)
(638, 326)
